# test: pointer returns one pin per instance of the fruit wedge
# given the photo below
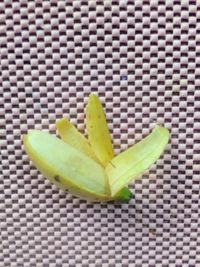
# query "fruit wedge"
(66, 166)
(131, 163)
(98, 133)
(100, 140)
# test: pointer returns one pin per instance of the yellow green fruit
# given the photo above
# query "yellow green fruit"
(97, 129)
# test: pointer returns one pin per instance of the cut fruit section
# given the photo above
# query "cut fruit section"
(98, 133)
(66, 166)
(100, 140)
(131, 163)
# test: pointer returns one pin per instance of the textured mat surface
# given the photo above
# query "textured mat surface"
(143, 59)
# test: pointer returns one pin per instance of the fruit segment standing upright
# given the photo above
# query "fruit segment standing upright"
(131, 163)
(100, 139)
(98, 133)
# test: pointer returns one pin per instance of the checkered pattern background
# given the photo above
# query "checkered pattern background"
(143, 60)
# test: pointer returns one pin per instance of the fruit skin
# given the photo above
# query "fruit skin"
(131, 163)
(65, 166)
(98, 133)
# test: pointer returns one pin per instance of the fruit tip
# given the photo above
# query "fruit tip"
(93, 97)
(162, 128)
(59, 121)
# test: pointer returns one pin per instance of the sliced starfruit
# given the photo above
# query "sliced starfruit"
(97, 129)
(133, 162)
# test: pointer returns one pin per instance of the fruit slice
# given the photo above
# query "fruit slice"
(66, 166)
(137, 159)
(73, 137)
(100, 140)
(98, 132)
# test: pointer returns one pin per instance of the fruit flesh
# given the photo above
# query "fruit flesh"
(98, 133)
(136, 160)
(66, 166)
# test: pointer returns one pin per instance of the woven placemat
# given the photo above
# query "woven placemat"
(143, 60)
